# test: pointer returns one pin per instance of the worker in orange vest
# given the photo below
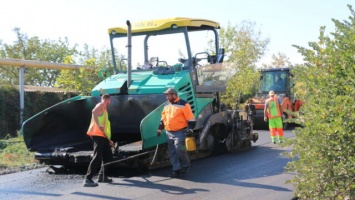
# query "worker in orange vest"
(100, 133)
(273, 112)
(177, 120)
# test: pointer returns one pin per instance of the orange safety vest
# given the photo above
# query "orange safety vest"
(176, 115)
(94, 130)
(273, 108)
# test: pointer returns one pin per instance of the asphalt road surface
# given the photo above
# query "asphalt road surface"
(253, 174)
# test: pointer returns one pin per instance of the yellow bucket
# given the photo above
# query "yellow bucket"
(190, 144)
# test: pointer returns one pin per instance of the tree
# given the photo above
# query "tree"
(244, 46)
(279, 61)
(83, 80)
(324, 147)
(59, 52)
(34, 49)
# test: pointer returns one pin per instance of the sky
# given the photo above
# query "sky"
(284, 22)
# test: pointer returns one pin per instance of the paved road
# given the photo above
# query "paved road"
(253, 174)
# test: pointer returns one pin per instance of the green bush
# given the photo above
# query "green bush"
(34, 103)
(9, 110)
(324, 147)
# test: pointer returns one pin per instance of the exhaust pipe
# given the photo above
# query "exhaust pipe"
(129, 47)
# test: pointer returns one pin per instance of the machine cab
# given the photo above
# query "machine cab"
(277, 79)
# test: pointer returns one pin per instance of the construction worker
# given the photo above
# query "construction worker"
(177, 120)
(100, 133)
(273, 112)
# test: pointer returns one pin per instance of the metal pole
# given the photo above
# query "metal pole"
(42, 64)
(129, 46)
(22, 92)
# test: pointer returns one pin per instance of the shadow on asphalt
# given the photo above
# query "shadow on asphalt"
(116, 172)
(235, 169)
(239, 168)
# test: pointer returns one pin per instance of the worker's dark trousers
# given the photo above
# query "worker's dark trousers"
(177, 149)
(102, 153)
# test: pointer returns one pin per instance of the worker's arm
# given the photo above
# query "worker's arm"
(161, 123)
(160, 128)
(280, 107)
(191, 121)
(96, 112)
(265, 111)
(189, 116)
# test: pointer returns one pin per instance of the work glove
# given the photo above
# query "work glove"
(111, 143)
(189, 132)
(158, 132)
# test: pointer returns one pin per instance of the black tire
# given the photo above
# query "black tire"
(246, 144)
(211, 144)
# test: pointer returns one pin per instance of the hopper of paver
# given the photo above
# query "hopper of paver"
(65, 125)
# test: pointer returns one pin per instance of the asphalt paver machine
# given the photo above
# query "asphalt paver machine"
(181, 53)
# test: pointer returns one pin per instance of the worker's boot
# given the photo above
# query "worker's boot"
(175, 174)
(89, 183)
(104, 179)
(184, 170)
(273, 139)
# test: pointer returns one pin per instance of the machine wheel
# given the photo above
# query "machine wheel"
(210, 144)
(246, 144)
(284, 124)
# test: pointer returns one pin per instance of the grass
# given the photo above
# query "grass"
(14, 155)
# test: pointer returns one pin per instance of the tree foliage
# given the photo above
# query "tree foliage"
(59, 51)
(83, 80)
(244, 46)
(279, 61)
(324, 146)
(34, 49)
